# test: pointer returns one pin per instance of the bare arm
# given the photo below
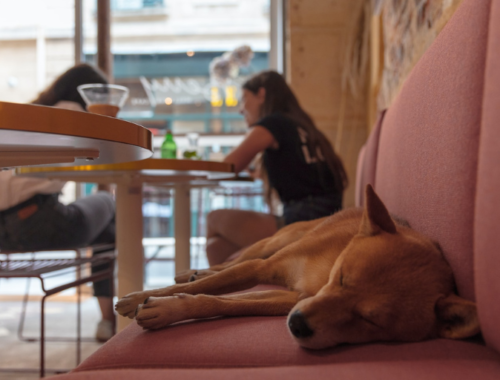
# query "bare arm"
(257, 140)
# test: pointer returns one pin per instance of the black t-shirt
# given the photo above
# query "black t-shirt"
(292, 170)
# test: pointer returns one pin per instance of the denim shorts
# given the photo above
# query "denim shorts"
(310, 208)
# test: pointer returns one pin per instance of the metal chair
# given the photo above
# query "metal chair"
(48, 268)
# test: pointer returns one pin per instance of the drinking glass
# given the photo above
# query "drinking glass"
(103, 99)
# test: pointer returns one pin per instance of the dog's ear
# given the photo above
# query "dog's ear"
(457, 317)
(376, 218)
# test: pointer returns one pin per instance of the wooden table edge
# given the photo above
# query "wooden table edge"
(50, 120)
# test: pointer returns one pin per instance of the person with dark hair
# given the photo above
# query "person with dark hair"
(64, 89)
(298, 161)
(33, 219)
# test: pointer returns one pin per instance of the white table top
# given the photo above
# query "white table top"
(39, 135)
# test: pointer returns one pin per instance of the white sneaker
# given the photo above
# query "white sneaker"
(104, 330)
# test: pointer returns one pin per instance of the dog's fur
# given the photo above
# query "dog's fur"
(356, 276)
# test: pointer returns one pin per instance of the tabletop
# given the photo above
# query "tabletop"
(34, 135)
(147, 171)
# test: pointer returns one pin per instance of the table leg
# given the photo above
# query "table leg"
(129, 233)
(182, 226)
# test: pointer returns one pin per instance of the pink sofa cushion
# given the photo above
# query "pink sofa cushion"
(256, 341)
(487, 233)
(393, 370)
(427, 158)
(360, 180)
(367, 161)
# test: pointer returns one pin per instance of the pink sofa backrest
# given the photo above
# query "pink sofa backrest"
(438, 160)
(367, 161)
(487, 218)
(427, 157)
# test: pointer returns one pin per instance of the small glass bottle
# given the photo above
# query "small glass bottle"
(192, 151)
(169, 147)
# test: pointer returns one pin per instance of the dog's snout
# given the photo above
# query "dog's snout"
(298, 325)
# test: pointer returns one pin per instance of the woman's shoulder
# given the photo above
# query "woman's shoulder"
(276, 117)
(276, 121)
(281, 127)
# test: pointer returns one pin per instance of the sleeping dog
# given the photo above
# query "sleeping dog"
(357, 276)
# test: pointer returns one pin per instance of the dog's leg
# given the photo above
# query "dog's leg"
(163, 311)
(262, 249)
(239, 277)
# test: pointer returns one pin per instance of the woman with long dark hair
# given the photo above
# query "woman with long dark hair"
(298, 160)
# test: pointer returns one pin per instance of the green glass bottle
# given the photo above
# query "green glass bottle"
(169, 147)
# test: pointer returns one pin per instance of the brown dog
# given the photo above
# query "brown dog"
(356, 276)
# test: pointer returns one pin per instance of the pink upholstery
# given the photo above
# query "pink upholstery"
(487, 230)
(427, 161)
(360, 181)
(392, 370)
(367, 161)
(256, 341)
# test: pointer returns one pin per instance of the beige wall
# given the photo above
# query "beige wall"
(316, 30)
(60, 57)
(19, 67)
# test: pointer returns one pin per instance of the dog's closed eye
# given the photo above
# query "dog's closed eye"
(369, 317)
(368, 321)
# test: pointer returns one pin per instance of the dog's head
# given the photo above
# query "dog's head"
(389, 284)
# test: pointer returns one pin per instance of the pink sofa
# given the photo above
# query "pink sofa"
(434, 158)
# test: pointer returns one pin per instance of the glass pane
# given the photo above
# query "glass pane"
(36, 46)
(162, 52)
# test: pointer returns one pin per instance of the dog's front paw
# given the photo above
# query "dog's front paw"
(127, 305)
(159, 312)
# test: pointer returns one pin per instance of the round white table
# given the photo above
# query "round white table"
(38, 135)
(129, 178)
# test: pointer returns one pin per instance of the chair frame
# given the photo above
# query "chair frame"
(37, 268)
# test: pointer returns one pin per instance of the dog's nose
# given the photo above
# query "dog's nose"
(298, 325)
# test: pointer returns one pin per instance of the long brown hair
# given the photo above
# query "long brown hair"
(64, 87)
(281, 99)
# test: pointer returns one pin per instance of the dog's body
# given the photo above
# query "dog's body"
(353, 277)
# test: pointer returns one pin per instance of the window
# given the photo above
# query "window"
(162, 52)
(127, 5)
(36, 45)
